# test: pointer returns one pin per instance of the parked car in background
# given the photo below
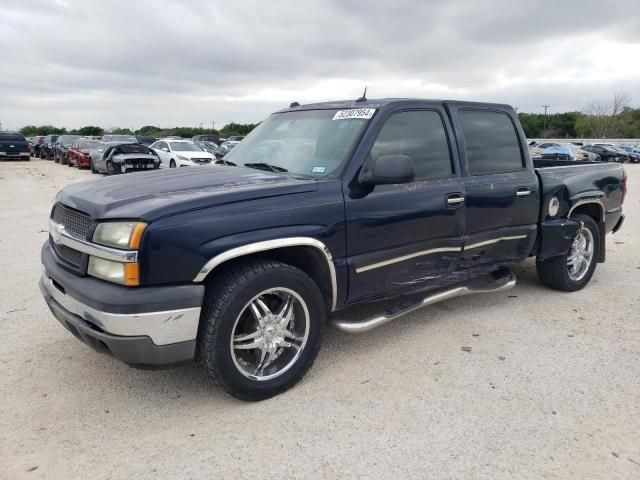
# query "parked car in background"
(62, 146)
(607, 153)
(536, 148)
(46, 148)
(633, 152)
(119, 138)
(557, 153)
(225, 148)
(145, 140)
(96, 156)
(579, 154)
(127, 157)
(235, 138)
(207, 138)
(13, 146)
(207, 146)
(35, 147)
(80, 151)
(180, 153)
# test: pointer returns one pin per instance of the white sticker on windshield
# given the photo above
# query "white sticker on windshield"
(318, 169)
(354, 113)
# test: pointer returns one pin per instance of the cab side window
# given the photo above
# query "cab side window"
(420, 135)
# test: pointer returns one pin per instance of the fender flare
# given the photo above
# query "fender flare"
(273, 245)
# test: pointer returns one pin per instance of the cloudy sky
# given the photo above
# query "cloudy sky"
(139, 62)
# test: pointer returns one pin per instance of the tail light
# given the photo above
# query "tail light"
(624, 186)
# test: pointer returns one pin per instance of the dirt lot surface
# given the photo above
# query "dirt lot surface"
(551, 388)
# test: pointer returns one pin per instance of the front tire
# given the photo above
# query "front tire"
(172, 164)
(91, 166)
(111, 169)
(573, 271)
(261, 328)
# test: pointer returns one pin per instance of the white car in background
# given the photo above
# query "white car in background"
(180, 153)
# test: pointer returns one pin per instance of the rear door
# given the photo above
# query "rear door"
(406, 237)
(501, 188)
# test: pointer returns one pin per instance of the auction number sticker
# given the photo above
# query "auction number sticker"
(354, 113)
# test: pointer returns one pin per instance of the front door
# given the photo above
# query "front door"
(408, 237)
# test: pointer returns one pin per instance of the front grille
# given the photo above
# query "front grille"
(74, 257)
(139, 164)
(201, 160)
(76, 223)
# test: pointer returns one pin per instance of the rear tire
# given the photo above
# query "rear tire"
(562, 272)
(284, 345)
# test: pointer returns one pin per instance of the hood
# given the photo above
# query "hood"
(190, 154)
(151, 195)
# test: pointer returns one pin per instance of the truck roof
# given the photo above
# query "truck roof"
(381, 102)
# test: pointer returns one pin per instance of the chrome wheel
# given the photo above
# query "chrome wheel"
(270, 334)
(581, 255)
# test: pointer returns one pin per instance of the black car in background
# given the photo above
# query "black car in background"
(37, 143)
(144, 140)
(607, 153)
(46, 149)
(61, 148)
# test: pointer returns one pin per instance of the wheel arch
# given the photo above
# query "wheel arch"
(592, 207)
(308, 254)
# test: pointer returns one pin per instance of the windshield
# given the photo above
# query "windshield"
(87, 144)
(184, 147)
(311, 143)
(67, 140)
(120, 138)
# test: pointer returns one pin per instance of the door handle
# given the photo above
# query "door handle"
(455, 199)
(523, 192)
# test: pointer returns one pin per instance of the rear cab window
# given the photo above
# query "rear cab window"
(491, 142)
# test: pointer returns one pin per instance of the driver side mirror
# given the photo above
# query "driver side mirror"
(164, 149)
(387, 169)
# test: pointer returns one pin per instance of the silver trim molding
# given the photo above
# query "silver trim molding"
(273, 245)
(406, 257)
(586, 201)
(164, 328)
(436, 250)
(494, 240)
(62, 237)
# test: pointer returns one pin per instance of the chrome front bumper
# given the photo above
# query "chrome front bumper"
(163, 328)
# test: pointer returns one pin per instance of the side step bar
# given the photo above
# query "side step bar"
(501, 280)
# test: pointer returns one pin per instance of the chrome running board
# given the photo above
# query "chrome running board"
(503, 279)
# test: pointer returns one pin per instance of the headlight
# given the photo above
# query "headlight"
(119, 234)
(183, 158)
(123, 273)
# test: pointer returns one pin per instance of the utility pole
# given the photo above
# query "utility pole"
(544, 130)
(200, 125)
(213, 125)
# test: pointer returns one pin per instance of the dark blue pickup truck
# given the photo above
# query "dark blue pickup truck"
(13, 146)
(240, 265)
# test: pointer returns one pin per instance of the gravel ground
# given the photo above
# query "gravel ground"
(551, 388)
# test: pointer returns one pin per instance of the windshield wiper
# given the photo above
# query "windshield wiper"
(220, 161)
(266, 166)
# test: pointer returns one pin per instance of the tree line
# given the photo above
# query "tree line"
(613, 118)
(228, 130)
